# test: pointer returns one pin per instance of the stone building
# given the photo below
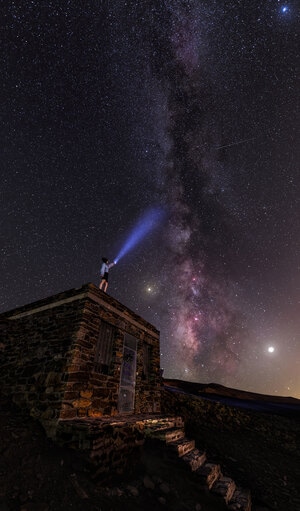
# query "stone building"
(88, 369)
(79, 354)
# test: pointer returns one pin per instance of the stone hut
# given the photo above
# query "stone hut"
(79, 354)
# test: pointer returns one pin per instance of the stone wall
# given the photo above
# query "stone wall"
(37, 346)
(89, 393)
(109, 446)
(47, 357)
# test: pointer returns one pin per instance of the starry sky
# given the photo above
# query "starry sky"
(188, 108)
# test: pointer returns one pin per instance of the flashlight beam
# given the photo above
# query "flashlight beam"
(144, 225)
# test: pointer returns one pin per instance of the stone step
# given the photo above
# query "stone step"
(160, 423)
(224, 486)
(174, 434)
(170, 430)
(167, 435)
(195, 459)
(182, 446)
(240, 501)
(209, 473)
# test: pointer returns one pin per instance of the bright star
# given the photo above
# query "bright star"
(284, 9)
(151, 289)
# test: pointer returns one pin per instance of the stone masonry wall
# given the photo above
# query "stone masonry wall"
(47, 352)
(109, 447)
(36, 348)
(91, 394)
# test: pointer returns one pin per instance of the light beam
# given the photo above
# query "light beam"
(143, 227)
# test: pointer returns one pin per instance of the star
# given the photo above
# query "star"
(284, 9)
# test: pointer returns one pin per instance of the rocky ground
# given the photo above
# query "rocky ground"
(260, 452)
(37, 475)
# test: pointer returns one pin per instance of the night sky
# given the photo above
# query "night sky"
(190, 108)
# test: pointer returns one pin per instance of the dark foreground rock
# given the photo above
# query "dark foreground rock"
(260, 452)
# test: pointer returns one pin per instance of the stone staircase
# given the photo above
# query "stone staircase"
(170, 433)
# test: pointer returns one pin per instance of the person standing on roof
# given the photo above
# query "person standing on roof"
(104, 273)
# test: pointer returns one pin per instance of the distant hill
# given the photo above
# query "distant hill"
(214, 390)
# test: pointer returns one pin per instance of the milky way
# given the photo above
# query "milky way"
(113, 108)
(204, 329)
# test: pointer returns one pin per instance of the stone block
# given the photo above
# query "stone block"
(94, 412)
(69, 413)
(78, 376)
(82, 403)
(70, 395)
(81, 412)
(86, 394)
